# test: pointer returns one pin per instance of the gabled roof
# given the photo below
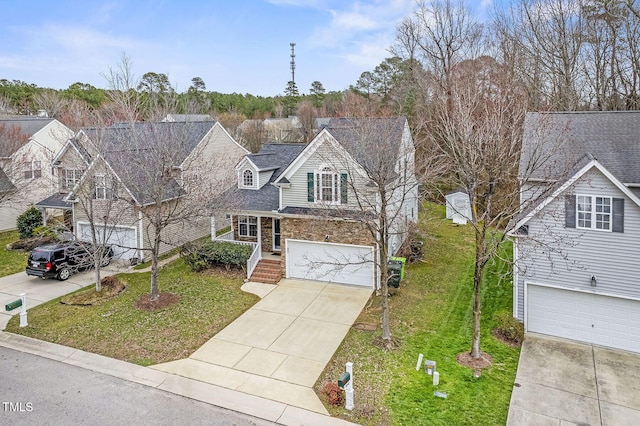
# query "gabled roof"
(365, 138)
(367, 141)
(27, 127)
(561, 139)
(586, 164)
(128, 147)
(275, 156)
(272, 156)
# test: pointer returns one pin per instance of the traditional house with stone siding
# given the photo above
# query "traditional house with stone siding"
(305, 207)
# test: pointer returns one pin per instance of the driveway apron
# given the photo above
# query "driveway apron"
(562, 382)
(280, 346)
(38, 291)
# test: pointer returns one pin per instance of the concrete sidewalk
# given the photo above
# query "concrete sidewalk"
(238, 401)
(279, 347)
(561, 382)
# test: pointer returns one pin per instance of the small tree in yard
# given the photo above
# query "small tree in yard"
(477, 126)
(377, 186)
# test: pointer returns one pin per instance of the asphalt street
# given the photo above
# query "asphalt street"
(41, 391)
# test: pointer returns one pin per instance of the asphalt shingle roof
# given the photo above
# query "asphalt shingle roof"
(27, 127)
(272, 156)
(141, 153)
(565, 139)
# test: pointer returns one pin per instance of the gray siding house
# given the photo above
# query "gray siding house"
(576, 250)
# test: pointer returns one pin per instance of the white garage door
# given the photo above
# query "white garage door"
(122, 238)
(601, 320)
(337, 263)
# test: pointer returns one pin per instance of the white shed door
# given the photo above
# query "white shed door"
(591, 318)
(336, 263)
(122, 238)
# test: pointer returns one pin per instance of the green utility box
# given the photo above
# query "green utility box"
(402, 260)
(394, 271)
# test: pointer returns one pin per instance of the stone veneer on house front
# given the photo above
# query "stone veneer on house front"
(339, 231)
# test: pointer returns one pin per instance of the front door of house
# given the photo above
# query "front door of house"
(276, 234)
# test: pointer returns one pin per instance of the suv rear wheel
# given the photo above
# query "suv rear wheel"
(64, 274)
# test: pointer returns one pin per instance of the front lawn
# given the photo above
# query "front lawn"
(431, 315)
(115, 328)
(11, 261)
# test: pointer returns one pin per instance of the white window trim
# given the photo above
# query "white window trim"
(594, 213)
(243, 180)
(248, 221)
(102, 187)
(335, 187)
(71, 181)
(31, 168)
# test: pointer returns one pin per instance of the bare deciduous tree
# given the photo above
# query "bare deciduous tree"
(380, 189)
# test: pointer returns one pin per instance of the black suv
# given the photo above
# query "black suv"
(61, 260)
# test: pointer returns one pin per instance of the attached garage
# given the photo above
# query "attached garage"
(122, 238)
(330, 262)
(587, 317)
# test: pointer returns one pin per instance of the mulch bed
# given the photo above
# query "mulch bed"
(164, 300)
(477, 365)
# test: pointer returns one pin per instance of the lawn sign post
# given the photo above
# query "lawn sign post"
(20, 303)
(346, 382)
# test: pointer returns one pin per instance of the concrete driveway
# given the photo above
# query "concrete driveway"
(39, 291)
(561, 382)
(280, 346)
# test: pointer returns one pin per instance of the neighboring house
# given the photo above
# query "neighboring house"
(283, 129)
(576, 247)
(187, 117)
(308, 204)
(27, 147)
(111, 173)
(458, 206)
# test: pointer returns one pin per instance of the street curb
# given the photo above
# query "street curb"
(211, 394)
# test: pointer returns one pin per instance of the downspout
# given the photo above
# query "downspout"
(140, 237)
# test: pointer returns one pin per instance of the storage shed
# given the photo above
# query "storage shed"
(458, 207)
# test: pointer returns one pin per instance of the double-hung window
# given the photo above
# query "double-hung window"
(327, 186)
(71, 177)
(104, 188)
(247, 226)
(32, 169)
(593, 212)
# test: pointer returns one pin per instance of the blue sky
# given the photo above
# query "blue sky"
(233, 45)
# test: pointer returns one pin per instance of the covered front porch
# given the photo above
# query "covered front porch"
(56, 211)
(262, 232)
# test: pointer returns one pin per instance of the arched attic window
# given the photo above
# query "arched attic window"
(247, 178)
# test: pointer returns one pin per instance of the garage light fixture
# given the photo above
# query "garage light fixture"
(593, 281)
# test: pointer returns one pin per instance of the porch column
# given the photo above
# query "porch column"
(259, 220)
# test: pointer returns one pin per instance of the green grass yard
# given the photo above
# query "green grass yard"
(431, 315)
(11, 261)
(115, 328)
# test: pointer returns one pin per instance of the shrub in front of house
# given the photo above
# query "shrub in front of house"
(215, 253)
(28, 221)
(509, 327)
